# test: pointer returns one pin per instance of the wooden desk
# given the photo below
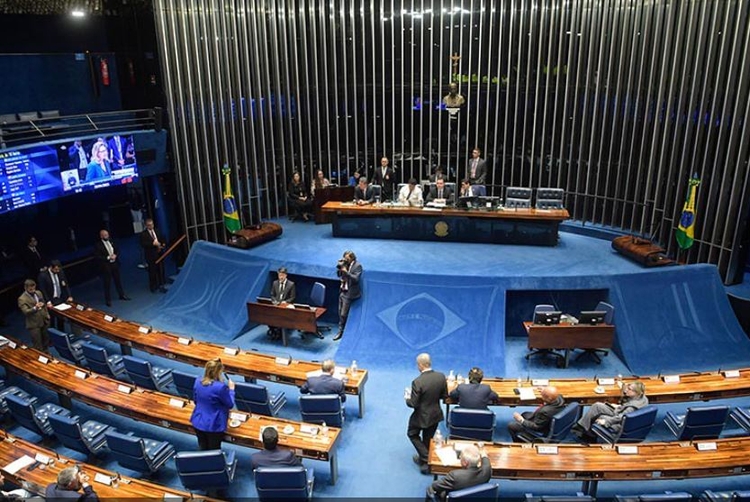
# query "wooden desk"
(13, 448)
(251, 365)
(341, 193)
(388, 221)
(157, 408)
(569, 336)
(594, 463)
(285, 317)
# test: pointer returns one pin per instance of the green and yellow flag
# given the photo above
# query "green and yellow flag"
(231, 216)
(686, 231)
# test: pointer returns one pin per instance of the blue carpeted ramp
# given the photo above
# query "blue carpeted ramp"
(458, 321)
(677, 319)
(208, 299)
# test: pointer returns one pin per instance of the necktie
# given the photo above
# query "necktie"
(153, 234)
(440, 194)
(36, 252)
(55, 286)
(110, 249)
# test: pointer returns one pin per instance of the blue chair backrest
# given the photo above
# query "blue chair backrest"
(204, 470)
(472, 424)
(563, 421)
(23, 412)
(318, 294)
(140, 372)
(609, 317)
(479, 190)
(252, 397)
(68, 431)
(96, 357)
(322, 408)
(544, 308)
(129, 451)
(61, 342)
(184, 383)
(281, 482)
(704, 422)
(485, 491)
(637, 424)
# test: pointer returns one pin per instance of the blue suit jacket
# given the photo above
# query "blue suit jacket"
(324, 384)
(212, 405)
(278, 457)
(474, 395)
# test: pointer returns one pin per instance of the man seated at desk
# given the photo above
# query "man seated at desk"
(474, 394)
(271, 455)
(540, 419)
(282, 290)
(364, 194)
(325, 383)
(411, 194)
(466, 190)
(439, 192)
(475, 470)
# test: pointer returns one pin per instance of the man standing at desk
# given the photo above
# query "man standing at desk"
(477, 170)
(427, 390)
(282, 290)
(540, 419)
(153, 244)
(384, 177)
(349, 271)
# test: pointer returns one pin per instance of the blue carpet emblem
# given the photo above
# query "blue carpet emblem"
(421, 320)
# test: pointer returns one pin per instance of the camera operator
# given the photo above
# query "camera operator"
(349, 270)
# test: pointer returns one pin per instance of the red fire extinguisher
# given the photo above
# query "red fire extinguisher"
(104, 68)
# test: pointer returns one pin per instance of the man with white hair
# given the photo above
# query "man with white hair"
(69, 481)
(427, 390)
(475, 470)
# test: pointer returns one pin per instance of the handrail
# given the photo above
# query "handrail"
(171, 248)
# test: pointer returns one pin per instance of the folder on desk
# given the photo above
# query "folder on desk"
(263, 300)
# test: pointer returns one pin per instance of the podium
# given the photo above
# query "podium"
(332, 193)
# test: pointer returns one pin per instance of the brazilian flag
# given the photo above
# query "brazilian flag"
(231, 216)
(686, 231)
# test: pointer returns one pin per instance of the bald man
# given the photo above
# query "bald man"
(538, 420)
(427, 391)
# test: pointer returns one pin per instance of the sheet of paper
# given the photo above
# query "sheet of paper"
(18, 464)
(447, 455)
(62, 307)
(526, 394)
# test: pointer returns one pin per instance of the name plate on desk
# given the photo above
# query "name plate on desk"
(177, 403)
(546, 449)
(43, 360)
(12, 345)
(238, 416)
(309, 429)
(627, 449)
(102, 478)
(539, 382)
(283, 361)
(707, 446)
(606, 381)
(732, 374)
(124, 389)
(81, 374)
(109, 318)
(144, 330)
(230, 351)
(172, 496)
(42, 458)
(671, 378)
(184, 341)
(80, 307)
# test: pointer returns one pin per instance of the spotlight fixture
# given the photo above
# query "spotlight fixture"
(77, 13)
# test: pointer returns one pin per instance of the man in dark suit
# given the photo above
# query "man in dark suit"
(349, 271)
(538, 420)
(53, 283)
(79, 158)
(439, 191)
(427, 390)
(271, 455)
(439, 175)
(326, 383)
(364, 193)
(32, 258)
(153, 244)
(474, 394)
(477, 169)
(118, 147)
(475, 470)
(107, 256)
(282, 290)
(34, 308)
(384, 177)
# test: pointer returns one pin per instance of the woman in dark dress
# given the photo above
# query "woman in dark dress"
(299, 198)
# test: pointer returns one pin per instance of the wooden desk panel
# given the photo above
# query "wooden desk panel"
(505, 214)
(590, 464)
(331, 193)
(13, 448)
(156, 408)
(569, 337)
(285, 317)
(198, 352)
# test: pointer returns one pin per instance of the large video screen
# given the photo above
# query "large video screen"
(39, 173)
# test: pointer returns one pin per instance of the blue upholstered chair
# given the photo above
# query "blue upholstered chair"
(544, 352)
(139, 454)
(479, 190)
(549, 198)
(319, 408)
(699, 422)
(635, 426)
(67, 347)
(485, 491)
(318, 299)
(558, 429)
(739, 415)
(656, 497)
(377, 191)
(284, 483)
(517, 198)
(184, 383)
(467, 423)
(88, 438)
(206, 470)
(16, 391)
(256, 399)
(733, 496)
(34, 418)
(100, 362)
(144, 375)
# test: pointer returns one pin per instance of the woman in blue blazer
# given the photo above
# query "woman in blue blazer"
(213, 400)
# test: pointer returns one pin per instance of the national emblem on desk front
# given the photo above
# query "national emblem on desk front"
(441, 229)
